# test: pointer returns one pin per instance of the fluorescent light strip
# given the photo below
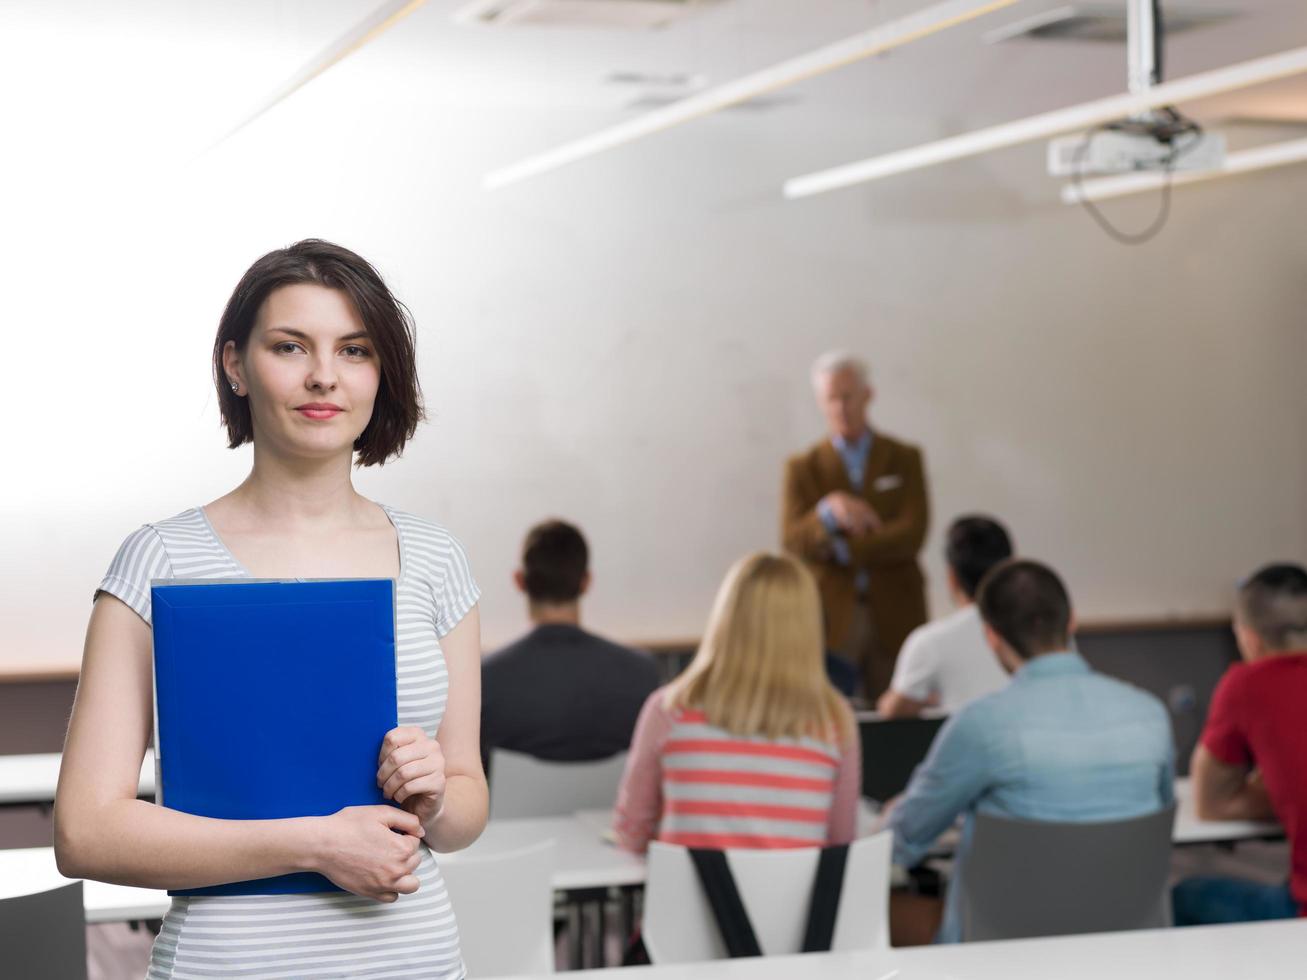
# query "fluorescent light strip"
(1245, 161)
(1082, 117)
(888, 36)
(374, 25)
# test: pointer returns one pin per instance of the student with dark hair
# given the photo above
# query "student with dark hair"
(1059, 743)
(560, 692)
(314, 365)
(1251, 762)
(947, 663)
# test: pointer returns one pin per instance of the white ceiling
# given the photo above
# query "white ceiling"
(121, 79)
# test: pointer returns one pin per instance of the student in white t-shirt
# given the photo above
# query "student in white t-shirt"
(947, 663)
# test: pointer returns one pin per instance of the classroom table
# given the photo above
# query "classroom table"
(583, 858)
(24, 871)
(1264, 950)
(1190, 830)
(28, 779)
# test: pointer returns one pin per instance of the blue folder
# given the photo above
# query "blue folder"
(271, 700)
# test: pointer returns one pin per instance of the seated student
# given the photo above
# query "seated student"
(1251, 762)
(561, 693)
(751, 746)
(1059, 743)
(947, 663)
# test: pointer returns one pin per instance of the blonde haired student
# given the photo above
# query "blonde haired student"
(751, 746)
(314, 364)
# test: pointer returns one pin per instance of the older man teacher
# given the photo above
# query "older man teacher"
(855, 511)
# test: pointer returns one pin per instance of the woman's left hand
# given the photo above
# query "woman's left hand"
(412, 771)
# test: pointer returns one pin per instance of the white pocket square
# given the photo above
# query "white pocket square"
(887, 482)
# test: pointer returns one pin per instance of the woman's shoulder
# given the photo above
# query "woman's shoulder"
(166, 532)
(435, 558)
(422, 533)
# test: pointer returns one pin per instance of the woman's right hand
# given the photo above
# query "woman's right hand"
(359, 850)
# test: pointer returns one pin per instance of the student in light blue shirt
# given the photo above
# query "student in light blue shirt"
(1059, 743)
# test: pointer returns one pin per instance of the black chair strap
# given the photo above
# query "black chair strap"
(724, 899)
(733, 921)
(825, 904)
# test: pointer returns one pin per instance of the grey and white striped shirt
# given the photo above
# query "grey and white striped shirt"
(325, 935)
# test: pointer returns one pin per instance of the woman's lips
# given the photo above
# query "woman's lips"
(319, 413)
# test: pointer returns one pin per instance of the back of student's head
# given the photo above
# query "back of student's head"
(1272, 602)
(975, 545)
(555, 562)
(760, 669)
(1027, 605)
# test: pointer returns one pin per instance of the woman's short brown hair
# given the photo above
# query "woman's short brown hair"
(398, 407)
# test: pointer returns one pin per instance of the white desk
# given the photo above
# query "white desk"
(1264, 950)
(33, 778)
(582, 858)
(32, 869)
(1190, 830)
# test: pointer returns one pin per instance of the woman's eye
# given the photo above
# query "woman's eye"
(285, 347)
(353, 350)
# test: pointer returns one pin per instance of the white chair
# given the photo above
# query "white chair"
(523, 786)
(504, 904)
(774, 886)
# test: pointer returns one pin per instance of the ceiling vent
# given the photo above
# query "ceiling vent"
(606, 14)
(657, 90)
(1104, 22)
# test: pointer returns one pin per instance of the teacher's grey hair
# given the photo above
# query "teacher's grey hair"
(840, 360)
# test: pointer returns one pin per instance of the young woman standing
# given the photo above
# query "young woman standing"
(314, 363)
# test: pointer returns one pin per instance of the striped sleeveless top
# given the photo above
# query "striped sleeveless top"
(329, 935)
(691, 783)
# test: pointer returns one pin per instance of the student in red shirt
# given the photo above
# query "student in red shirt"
(1251, 762)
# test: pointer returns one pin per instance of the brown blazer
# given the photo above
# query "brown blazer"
(895, 486)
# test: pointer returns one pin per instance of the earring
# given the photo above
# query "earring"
(235, 388)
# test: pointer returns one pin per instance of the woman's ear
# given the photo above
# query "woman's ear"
(233, 368)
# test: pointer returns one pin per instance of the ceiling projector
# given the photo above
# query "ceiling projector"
(1136, 145)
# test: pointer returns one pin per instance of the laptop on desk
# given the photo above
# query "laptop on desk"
(891, 749)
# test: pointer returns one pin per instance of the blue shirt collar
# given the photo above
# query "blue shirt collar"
(1053, 665)
(860, 445)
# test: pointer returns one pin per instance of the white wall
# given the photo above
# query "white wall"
(625, 344)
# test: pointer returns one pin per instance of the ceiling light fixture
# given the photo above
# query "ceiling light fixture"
(1081, 117)
(886, 37)
(369, 29)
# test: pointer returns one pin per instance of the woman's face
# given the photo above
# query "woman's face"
(309, 371)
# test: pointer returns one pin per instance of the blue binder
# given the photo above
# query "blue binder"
(271, 700)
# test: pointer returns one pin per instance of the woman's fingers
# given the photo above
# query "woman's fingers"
(413, 771)
(432, 784)
(398, 737)
(407, 885)
(400, 820)
(401, 757)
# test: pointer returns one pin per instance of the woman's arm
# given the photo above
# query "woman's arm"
(843, 827)
(640, 794)
(466, 801)
(103, 832)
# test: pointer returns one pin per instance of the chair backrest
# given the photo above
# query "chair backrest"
(776, 888)
(504, 905)
(523, 786)
(891, 749)
(1031, 878)
(43, 934)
